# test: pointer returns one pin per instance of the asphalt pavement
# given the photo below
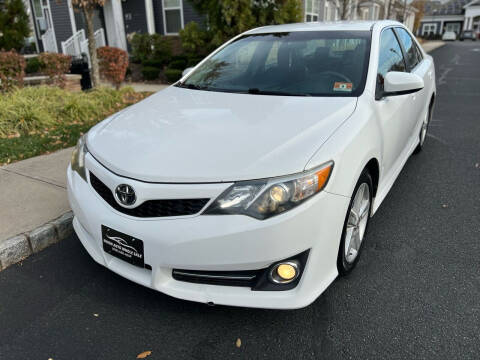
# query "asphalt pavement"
(415, 293)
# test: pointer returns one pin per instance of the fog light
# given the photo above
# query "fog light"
(284, 272)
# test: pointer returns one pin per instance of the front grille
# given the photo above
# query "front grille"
(226, 278)
(150, 208)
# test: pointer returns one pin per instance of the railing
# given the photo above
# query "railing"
(77, 44)
(49, 41)
(72, 46)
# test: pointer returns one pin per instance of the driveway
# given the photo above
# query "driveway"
(415, 292)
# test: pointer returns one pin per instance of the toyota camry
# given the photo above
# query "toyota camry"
(251, 181)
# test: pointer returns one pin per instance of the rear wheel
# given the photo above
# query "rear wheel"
(355, 225)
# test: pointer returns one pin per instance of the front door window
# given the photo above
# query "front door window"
(42, 15)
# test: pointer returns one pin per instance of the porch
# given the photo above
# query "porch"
(77, 44)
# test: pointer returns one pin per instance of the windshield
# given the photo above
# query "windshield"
(304, 63)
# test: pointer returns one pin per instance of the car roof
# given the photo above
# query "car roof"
(324, 26)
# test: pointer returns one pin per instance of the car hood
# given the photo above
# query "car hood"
(182, 135)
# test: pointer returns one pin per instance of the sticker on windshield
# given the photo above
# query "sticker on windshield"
(343, 86)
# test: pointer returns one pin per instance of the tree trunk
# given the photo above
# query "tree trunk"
(404, 12)
(389, 9)
(344, 9)
(92, 46)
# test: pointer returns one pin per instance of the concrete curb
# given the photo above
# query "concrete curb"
(17, 248)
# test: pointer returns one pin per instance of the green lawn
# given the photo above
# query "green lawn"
(26, 146)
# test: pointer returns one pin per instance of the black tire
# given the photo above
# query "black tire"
(345, 267)
(421, 144)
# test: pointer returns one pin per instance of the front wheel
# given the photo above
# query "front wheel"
(355, 226)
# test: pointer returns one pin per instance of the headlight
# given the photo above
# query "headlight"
(78, 158)
(262, 199)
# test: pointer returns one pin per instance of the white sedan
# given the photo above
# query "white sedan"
(252, 180)
(449, 36)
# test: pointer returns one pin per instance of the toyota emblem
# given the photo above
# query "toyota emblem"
(125, 194)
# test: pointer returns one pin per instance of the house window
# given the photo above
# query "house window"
(365, 13)
(330, 12)
(311, 10)
(172, 16)
(376, 12)
(429, 29)
(455, 27)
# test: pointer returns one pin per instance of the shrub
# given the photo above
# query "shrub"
(194, 39)
(33, 65)
(178, 64)
(155, 47)
(173, 75)
(153, 63)
(55, 66)
(150, 73)
(12, 70)
(113, 64)
(141, 47)
(193, 61)
(37, 108)
(182, 57)
(161, 48)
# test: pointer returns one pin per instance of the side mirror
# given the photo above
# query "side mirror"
(187, 71)
(400, 83)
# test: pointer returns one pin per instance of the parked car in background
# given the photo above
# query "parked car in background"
(449, 36)
(468, 35)
(252, 180)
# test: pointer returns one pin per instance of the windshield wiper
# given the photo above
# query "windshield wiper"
(258, 91)
(192, 86)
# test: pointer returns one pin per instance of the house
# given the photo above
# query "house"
(60, 28)
(454, 15)
(333, 10)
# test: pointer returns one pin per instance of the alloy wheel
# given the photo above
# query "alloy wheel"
(423, 132)
(357, 222)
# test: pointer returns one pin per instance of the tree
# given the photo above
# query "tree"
(14, 25)
(88, 7)
(344, 9)
(420, 6)
(227, 18)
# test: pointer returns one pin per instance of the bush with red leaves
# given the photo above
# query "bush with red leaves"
(113, 64)
(55, 66)
(12, 70)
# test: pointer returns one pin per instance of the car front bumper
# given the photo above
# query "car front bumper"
(213, 242)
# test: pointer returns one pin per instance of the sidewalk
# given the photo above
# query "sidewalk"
(432, 45)
(140, 87)
(33, 192)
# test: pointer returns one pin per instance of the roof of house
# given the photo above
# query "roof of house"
(452, 7)
(322, 26)
(472, 3)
